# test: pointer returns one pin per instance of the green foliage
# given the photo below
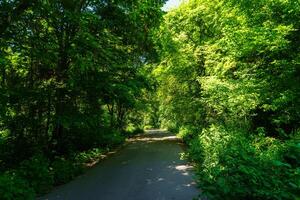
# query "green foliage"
(81, 76)
(71, 80)
(13, 187)
(131, 130)
(89, 156)
(37, 172)
(83, 140)
(241, 167)
(76, 69)
(65, 170)
(229, 84)
(187, 133)
(113, 140)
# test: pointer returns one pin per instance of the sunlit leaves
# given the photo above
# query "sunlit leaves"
(231, 69)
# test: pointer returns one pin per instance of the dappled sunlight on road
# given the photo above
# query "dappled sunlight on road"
(170, 138)
(155, 135)
(147, 167)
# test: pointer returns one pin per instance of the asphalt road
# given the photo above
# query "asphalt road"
(147, 168)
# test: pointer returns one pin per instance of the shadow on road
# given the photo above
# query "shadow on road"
(147, 168)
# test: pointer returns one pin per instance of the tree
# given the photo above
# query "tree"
(229, 77)
(64, 62)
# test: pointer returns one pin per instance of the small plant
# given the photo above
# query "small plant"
(88, 156)
(12, 187)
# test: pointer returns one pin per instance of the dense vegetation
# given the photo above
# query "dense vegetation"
(71, 82)
(79, 76)
(229, 82)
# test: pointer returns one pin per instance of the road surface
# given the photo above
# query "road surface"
(147, 168)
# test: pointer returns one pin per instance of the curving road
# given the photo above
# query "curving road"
(147, 168)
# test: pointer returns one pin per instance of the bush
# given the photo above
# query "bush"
(187, 133)
(173, 129)
(147, 127)
(13, 187)
(235, 166)
(83, 140)
(112, 138)
(88, 156)
(132, 131)
(36, 171)
(65, 170)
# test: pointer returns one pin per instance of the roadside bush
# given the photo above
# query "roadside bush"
(84, 140)
(132, 131)
(147, 127)
(13, 187)
(187, 133)
(36, 171)
(65, 170)
(88, 156)
(170, 126)
(173, 129)
(235, 166)
(112, 138)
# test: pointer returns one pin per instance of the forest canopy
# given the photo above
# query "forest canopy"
(71, 80)
(229, 83)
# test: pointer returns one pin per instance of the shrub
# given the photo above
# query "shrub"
(147, 127)
(65, 170)
(187, 133)
(112, 138)
(86, 139)
(36, 171)
(235, 166)
(13, 187)
(132, 131)
(173, 129)
(88, 156)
